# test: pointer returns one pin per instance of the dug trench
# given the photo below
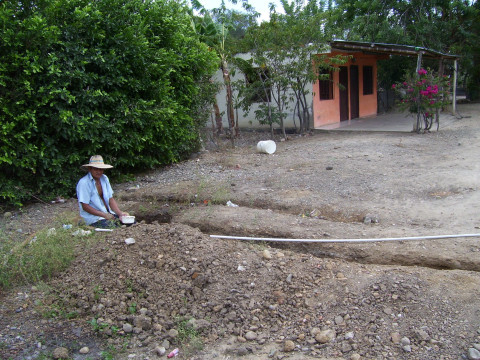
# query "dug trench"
(321, 224)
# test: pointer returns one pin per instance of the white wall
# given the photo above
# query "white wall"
(249, 121)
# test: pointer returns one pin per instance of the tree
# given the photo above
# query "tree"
(214, 28)
(283, 52)
(442, 25)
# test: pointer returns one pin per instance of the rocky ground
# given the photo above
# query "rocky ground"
(215, 298)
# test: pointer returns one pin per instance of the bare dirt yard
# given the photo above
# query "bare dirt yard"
(216, 298)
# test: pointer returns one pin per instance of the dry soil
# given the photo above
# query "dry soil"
(216, 298)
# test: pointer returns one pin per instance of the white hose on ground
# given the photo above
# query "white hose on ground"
(431, 237)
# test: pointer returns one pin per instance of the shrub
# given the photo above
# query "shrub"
(81, 77)
(423, 95)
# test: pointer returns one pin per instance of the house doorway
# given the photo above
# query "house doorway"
(354, 97)
(343, 80)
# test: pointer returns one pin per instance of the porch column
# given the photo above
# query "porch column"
(454, 92)
(437, 111)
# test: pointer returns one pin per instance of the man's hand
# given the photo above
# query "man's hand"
(109, 216)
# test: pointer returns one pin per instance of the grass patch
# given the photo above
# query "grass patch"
(206, 191)
(39, 257)
(188, 337)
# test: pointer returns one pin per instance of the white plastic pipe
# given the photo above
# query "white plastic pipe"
(346, 240)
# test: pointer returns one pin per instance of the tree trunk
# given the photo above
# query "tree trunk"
(299, 112)
(228, 88)
(416, 124)
(218, 119)
(282, 123)
(306, 113)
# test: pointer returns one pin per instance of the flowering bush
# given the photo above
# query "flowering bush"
(422, 95)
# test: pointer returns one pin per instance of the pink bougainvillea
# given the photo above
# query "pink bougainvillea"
(422, 95)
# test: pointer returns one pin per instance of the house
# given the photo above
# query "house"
(351, 92)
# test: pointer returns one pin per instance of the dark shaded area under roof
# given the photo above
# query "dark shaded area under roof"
(389, 49)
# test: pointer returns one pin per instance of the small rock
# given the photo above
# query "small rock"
(250, 335)
(407, 348)
(473, 354)
(173, 333)
(130, 241)
(143, 322)
(241, 351)
(370, 219)
(143, 311)
(339, 320)
(355, 356)
(405, 341)
(346, 347)
(325, 336)
(84, 350)
(241, 339)
(267, 255)
(201, 324)
(128, 328)
(60, 353)
(349, 335)
(288, 346)
(160, 350)
(396, 337)
(422, 335)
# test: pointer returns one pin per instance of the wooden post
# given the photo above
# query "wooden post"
(437, 111)
(454, 92)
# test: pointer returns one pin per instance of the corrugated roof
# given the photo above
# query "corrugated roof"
(393, 49)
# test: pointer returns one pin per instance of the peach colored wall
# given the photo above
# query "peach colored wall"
(328, 111)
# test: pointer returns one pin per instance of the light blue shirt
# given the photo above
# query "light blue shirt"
(87, 193)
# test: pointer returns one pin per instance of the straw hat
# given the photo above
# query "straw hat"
(96, 161)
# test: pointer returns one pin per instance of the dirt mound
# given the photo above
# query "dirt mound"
(174, 280)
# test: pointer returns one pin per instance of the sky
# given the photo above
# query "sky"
(260, 5)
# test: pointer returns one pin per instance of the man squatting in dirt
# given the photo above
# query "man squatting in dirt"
(95, 196)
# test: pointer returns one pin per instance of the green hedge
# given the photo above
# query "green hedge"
(81, 77)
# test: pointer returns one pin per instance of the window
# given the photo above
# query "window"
(367, 80)
(257, 81)
(326, 84)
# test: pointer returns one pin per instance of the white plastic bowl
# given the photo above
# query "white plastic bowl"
(128, 219)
